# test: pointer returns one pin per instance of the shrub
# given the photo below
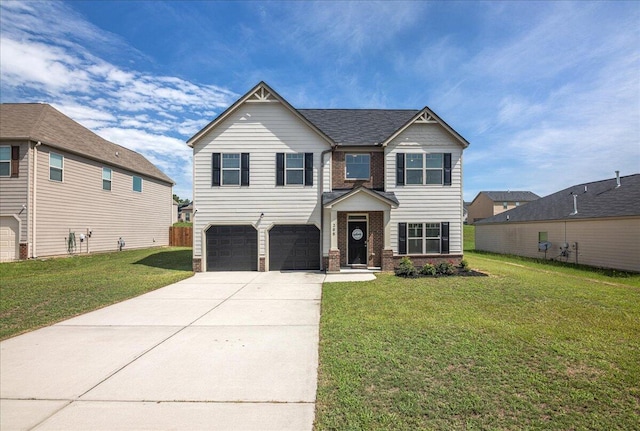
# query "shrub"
(464, 265)
(428, 269)
(406, 268)
(445, 268)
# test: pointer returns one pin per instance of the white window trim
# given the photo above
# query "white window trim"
(286, 183)
(8, 161)
(424, 239)
(424, 171)
(346, 171)
(55, 167)
(133, 184)
(223, 169)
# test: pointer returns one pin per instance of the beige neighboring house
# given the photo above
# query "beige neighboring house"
(185, 213)
(64, 189)
(487, 204)
(596, 224)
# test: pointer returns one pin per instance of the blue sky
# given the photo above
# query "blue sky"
(548, 94)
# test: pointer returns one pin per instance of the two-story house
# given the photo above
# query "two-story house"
(66, 190)
(489, 203)
(280, 188)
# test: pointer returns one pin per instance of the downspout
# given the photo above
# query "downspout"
(321, 189)
(35, 200)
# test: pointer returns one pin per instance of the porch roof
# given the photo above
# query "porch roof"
(330, 198)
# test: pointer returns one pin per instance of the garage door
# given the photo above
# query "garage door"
(294, 247)
(232, 248)
(8, 239)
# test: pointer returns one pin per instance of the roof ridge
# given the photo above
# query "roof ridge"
(43, 113)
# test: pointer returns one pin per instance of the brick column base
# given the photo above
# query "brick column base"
(334, 261)
(197, 265)
(261, 264)
(24, 251)
(387, 260)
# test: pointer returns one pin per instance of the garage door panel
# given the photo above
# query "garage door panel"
(294, 247)
(232, 248)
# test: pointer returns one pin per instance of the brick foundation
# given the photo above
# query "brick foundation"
(388, 262)
(197, 265)
(334, 261)
(325, 263)
(261, 264)
(24, 251)
(419, 261)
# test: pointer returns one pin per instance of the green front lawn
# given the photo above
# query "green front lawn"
(37, 293)
(532, 346)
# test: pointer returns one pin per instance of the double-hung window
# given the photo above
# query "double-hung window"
(294, 169)
(423, 238)
(106, 178)
(56, 164)
(423, 169)
(230, 169)
(137, 184)
(357, 166)
(5, 161)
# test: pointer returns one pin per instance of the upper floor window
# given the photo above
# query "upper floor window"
(5, 161)
(294, 169)
(137, 184)
(358, 166)
(230, 169)
(56, 163)
(421, 169)
(106, 179)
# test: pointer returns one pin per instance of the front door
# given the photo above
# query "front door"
(357, 242)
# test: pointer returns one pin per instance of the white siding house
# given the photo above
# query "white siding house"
(277, 187)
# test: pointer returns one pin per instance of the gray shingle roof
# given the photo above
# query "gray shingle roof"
(42, 122)
(511, 196)
(328, 197)
(601, 199)
(358, 126)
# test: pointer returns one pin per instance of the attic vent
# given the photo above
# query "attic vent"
(425, 118)
(617, 179)
(117, 154)
(261, 95)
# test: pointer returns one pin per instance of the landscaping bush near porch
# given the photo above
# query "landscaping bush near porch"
(529, 347)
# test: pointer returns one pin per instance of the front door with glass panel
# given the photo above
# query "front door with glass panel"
(357, 242)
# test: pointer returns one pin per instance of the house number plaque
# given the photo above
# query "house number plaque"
(357, 234)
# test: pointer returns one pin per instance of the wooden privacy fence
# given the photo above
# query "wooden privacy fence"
(181, 236)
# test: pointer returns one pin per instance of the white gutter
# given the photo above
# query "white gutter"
(35, 200)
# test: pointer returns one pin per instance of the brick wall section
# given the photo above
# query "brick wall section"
(342, 237)
(376, 238)
(197, 265)
(388, 262)
(334, 261)
(338, 173)
(261, 264)
(24, 251)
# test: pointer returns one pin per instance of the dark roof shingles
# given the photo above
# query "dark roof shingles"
(511, 196)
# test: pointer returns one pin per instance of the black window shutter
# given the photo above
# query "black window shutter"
(15, 161)
(280, 169)
(447, 169)
(215, 169)
(244, 169)
(400, 169)
(308, 169)
(402, 238)
(444, 237)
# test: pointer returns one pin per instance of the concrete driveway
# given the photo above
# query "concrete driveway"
(218, 351)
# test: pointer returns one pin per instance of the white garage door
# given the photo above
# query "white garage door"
(8, 239)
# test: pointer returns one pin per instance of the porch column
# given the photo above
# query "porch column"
(334, 252)
(387, 229)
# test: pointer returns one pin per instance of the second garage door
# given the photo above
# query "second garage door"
(294, 247)
(232, 248)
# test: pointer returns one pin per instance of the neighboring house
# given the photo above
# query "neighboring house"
(465, 212)
(64, 189)
(174, 212)
(285, 188)
(596, 224)
(185, 213)
(488, 204)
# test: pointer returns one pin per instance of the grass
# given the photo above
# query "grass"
(37, 293)
(533, 346)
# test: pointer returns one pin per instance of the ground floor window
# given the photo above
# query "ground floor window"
(423, 238)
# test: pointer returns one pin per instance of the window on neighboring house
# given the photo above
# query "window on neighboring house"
(230, 169)
(423, 238)
(187, 217)
(294, 169)
(423, 169)
(5, 161)
(137, 184)
(358, 166)
(504, 205)
(517, 204)
(106, 179)
(56, 163)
